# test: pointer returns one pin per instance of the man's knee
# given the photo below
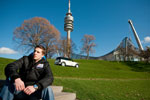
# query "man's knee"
(48, 89)
(47, 94)
(7, 92)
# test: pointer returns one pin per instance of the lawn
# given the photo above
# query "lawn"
(101, 80)
(107, 89)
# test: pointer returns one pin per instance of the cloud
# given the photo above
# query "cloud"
(4, 50)
(146, 40)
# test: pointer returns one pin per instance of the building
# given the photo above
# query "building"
(125, 51)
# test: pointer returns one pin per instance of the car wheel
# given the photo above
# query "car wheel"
(76, 65)
(63, 64)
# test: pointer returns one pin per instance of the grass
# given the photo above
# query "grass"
(3, 63)
(101, 80)
(107, 89)
(98, 69)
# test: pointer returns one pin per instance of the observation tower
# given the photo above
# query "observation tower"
(68, 27)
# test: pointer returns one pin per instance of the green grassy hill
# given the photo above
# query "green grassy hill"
(103, 69)
(101, 80)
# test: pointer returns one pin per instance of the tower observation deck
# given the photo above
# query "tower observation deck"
(68, 27)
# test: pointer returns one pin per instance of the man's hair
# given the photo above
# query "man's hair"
(41, 47)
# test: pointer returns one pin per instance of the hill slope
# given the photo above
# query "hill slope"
(101, 80)
(103, 69)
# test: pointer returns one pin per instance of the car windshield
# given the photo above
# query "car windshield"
(63, 58)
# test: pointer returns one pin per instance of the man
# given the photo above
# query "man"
(28, 78)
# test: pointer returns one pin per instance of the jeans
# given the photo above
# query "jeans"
(9, 92)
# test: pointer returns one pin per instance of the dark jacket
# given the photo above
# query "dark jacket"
(30, 72)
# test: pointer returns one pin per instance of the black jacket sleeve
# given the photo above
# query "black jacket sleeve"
(47, 79)
(11, 70)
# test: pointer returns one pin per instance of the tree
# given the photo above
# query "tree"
(88, 44)
(36, 31)
(62, 47)
(146, 54)
(127, 52)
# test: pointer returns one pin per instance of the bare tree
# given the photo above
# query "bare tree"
(62, 47)
(36, 31)
(127, 52)
(88, 44)
(146, 54)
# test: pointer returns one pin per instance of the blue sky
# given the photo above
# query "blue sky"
(107, 20)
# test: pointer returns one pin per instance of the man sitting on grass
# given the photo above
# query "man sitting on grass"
(28, 78)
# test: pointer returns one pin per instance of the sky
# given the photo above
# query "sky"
(106, 20)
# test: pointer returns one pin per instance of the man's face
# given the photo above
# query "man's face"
(38, 54)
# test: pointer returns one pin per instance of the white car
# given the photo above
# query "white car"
(66, 62)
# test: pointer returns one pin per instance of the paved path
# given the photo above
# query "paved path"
(74, 78)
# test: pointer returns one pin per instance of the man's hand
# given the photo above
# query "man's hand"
(19, 84)
(29, 90)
